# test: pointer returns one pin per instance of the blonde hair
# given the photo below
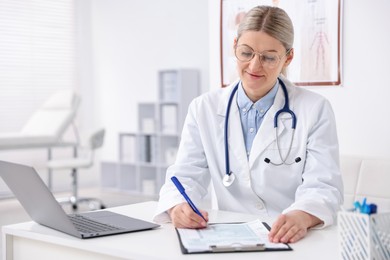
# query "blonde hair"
(273, 21)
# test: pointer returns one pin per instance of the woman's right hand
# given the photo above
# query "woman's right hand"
(183, 216)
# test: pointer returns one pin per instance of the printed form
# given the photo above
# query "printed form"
(234, 236)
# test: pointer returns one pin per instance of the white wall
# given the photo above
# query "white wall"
(130, 42)
(361, 103)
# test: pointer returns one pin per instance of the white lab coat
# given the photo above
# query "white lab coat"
(313, 185)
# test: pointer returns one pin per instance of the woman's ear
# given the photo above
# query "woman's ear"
(289, 57)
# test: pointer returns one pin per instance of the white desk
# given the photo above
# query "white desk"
(33, 241)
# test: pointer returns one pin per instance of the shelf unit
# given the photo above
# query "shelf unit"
(144, 156)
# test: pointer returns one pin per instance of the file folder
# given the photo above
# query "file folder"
(245, 237)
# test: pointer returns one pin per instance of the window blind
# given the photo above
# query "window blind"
(37, 56)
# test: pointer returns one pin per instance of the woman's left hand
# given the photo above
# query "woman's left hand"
(291, 227)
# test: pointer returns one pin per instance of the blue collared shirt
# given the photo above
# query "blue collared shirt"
(252, 114)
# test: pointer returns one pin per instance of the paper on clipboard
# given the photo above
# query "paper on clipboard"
(231, 237)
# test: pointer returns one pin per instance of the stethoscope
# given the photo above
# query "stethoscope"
(229, 177)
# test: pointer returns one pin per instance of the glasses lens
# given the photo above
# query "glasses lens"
(244, 53)
(269, 59)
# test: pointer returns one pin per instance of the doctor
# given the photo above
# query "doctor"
(280, 156)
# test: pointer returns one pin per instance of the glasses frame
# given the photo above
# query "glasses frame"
(260, 54)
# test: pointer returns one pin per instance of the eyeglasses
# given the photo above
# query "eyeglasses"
(268, 59)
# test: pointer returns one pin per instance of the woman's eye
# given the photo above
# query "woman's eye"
(268, 58)
(247, 54)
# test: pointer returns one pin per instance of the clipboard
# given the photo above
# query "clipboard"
(235, 247)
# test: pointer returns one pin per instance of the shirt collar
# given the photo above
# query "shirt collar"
(262, 105)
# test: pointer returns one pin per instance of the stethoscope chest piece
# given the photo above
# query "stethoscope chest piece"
(227, 180)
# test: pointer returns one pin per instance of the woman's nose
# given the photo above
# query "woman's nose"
(255, 62)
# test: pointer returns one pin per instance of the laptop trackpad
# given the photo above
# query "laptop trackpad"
(116, 219)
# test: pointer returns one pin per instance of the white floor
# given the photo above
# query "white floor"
(11, 212)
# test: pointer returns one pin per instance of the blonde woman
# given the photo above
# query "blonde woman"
(268, 147)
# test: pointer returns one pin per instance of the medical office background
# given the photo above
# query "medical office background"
(122, 44)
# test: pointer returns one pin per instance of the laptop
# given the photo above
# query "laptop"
(43, 208)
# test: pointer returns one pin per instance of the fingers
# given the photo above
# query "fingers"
(288, 228)
(278, 229)
(183, 216)
(299, 235)
(205, 214)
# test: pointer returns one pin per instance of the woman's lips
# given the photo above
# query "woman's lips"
(253, 75)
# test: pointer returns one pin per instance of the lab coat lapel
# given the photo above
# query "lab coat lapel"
(237, 151)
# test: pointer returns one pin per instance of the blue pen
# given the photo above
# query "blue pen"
(182, 192)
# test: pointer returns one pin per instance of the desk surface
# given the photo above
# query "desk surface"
(19, 241)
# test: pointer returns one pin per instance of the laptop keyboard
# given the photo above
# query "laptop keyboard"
(87, 225)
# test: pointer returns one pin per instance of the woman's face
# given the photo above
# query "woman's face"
(258, 78)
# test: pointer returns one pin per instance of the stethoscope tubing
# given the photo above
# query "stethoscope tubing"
(227, 162)
(229, 177)
(286, 108)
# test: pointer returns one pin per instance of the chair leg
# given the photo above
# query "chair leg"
(74, 200)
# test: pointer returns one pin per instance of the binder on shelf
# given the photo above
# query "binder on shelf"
(128, 149)
(141, 150)
(146, 118)
(148, 155)
(169, 119)
(169, 86)
(153, 149)
(147, 149)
